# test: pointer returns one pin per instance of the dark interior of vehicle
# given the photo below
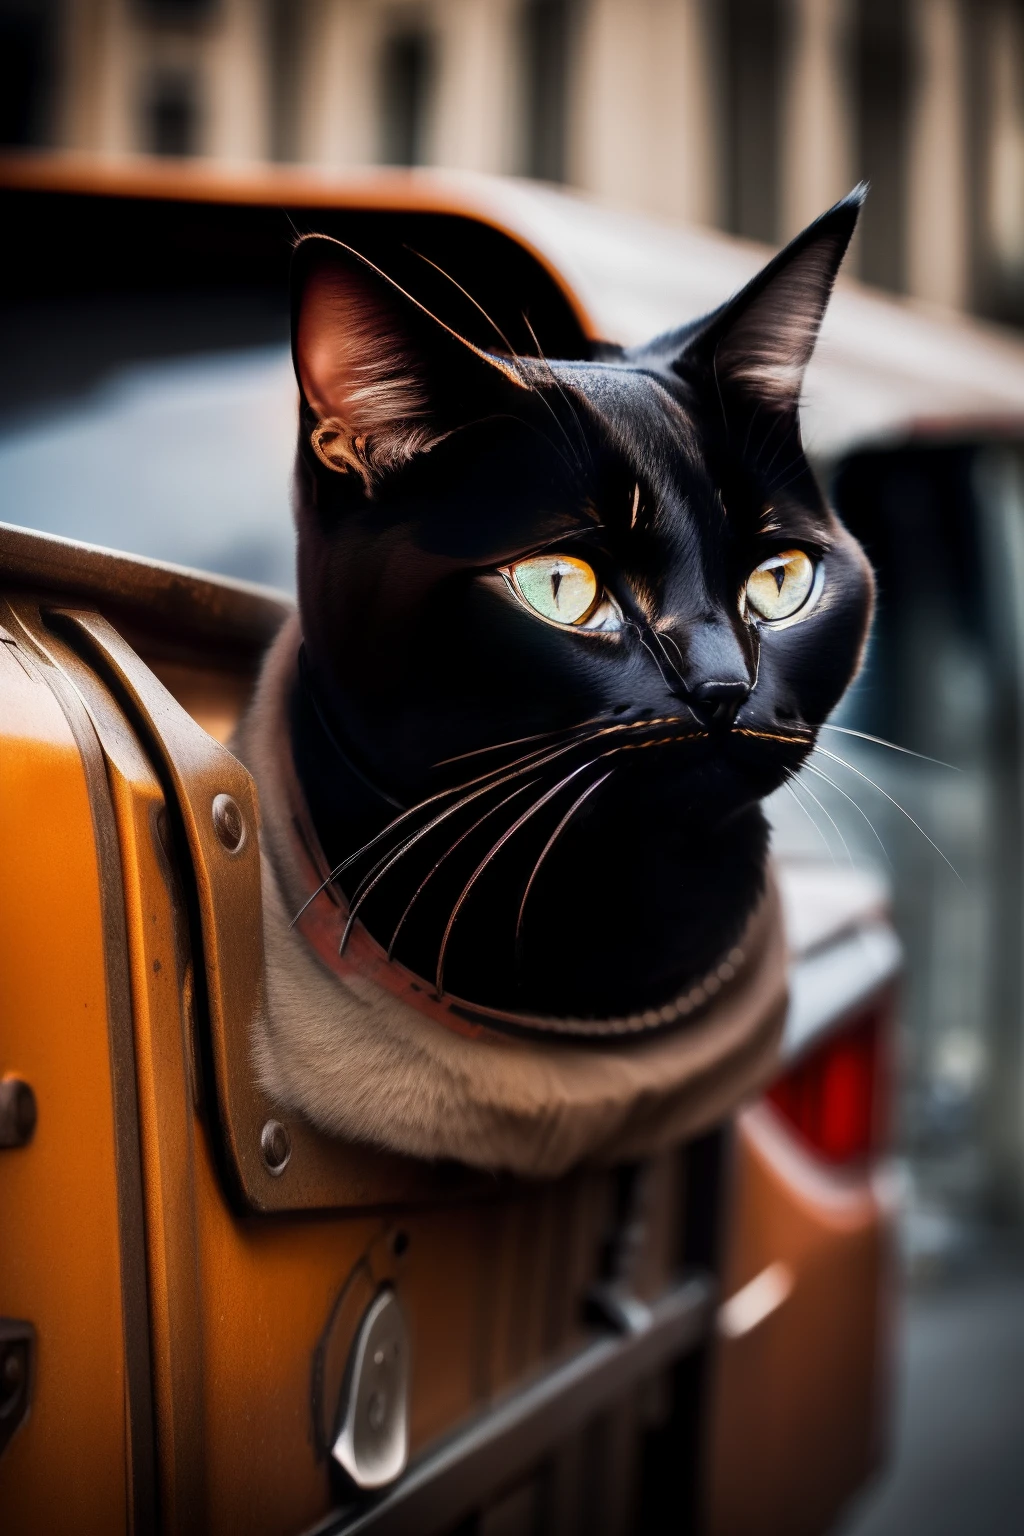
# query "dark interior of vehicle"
(91, 282)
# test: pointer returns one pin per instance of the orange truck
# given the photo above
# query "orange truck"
(216, 1319)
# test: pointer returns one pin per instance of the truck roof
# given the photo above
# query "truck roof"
(885, 366)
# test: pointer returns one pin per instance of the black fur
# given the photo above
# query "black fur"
(416, 652)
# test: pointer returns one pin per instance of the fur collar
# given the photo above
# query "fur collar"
(365, 1051)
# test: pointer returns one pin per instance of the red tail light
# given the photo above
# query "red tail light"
(835, 1096)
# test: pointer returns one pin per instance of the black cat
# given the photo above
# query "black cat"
(565, 624)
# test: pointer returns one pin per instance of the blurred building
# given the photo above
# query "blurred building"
(751, 115)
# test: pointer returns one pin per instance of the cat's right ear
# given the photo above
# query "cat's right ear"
(384, 378)
(756, 347)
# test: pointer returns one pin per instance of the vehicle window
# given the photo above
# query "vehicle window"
(943, 523)
(184, 459)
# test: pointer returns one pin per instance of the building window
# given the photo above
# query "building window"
(27, 47)
(882, 68)
(753, 45)
(285, 39)
(997, 186)
(172, 113)
(177, 12)
(545, 44)
(407, 70)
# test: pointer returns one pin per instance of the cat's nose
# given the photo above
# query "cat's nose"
(713, 669)
(716, 703)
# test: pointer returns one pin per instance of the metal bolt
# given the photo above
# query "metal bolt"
(228, 822)
(277, 1147)
(17, 1112)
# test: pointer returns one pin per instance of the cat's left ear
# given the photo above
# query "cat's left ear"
(760, 342)
(384, 379)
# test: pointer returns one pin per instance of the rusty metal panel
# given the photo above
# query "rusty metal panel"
(71, 1259)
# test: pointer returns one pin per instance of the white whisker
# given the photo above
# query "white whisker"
(520, 821)
(791, 791)
(846, 847)
(552, 840)
(819, 774)
(844, 764)
(879, 741)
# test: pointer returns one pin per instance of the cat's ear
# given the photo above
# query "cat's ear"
(384, 378)
(761, 341)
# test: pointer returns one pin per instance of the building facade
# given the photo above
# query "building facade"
(749, 115)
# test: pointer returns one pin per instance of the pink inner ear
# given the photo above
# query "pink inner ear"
(355, 365)
(770, 345)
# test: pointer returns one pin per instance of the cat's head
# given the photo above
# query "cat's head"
(617, 579)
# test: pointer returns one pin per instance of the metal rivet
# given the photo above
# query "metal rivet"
(17, 1112)
(228, 822)
(276, 1146)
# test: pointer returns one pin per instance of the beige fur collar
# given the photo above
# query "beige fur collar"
(344, 1045)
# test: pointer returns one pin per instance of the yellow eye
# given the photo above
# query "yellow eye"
(560, 588)
(780, 585)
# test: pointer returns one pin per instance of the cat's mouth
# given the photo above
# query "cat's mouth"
(646, 730)
(487, 886)
(750, 743)
(764, 754)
